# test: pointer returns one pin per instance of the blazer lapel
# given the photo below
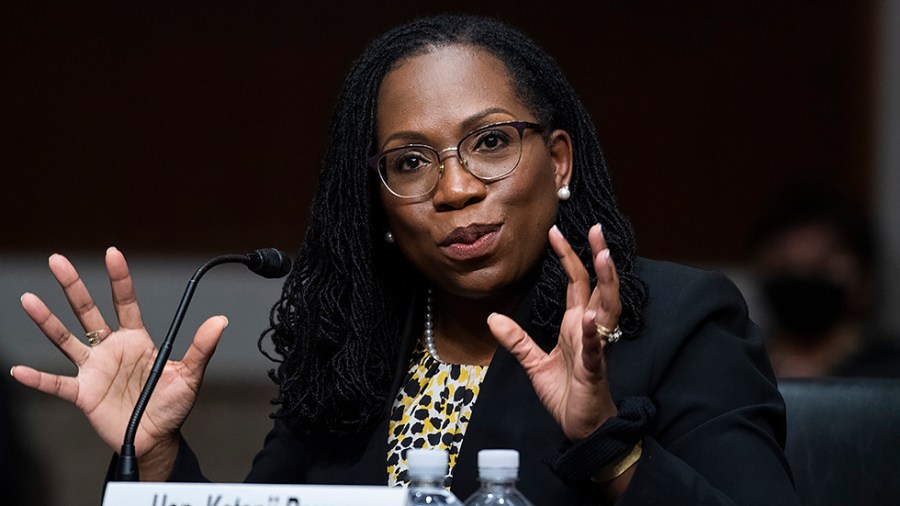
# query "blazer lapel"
(508, 414)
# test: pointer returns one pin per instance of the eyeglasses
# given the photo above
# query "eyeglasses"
(488, 153)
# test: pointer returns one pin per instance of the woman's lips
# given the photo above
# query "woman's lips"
(469, 242)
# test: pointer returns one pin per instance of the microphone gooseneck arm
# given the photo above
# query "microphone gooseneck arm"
(266, 262)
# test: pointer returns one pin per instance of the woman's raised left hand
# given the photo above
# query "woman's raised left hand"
(571, 380)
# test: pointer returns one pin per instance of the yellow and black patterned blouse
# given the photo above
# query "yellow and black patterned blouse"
(431, 410)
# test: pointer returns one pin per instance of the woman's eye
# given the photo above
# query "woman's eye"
(410, 162)
(491, 141)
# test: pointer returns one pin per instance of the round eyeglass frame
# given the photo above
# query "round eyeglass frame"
(520, 127)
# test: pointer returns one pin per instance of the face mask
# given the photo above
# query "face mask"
(805, 306)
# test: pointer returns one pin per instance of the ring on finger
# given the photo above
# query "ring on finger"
(95, 337)
(610, 335)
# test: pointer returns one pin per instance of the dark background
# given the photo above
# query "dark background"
(170, 128)
(177, 132)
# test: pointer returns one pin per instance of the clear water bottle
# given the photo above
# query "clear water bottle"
(498, 471)
(427, 471)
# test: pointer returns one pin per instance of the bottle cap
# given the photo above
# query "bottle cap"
(498, 464)
(427, 463)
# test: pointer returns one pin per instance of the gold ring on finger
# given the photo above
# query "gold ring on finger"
(95, 337)
(610, 335)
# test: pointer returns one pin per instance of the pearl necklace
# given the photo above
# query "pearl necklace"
(429, 327)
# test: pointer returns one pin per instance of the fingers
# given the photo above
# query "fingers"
(605, 296)
(54, 329)
(124, 297)
(61, 386)
(77, 294)
(205, 341)
(578, 290)
(511, 336)
(592, 347)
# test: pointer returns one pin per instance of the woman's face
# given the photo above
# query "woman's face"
(468, 237)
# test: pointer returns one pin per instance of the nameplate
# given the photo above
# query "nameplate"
(249, 494)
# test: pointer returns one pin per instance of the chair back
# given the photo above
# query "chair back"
(843, 440)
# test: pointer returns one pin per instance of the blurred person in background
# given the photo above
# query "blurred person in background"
(815, 255)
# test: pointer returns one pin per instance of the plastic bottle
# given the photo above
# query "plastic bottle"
(497, 472)
(427, 471)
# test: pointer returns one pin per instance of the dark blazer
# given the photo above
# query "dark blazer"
(717, 437)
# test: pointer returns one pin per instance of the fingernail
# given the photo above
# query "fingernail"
(226, 320)
(11, 369)
(604, 253)
(555, 230)
(492, 314)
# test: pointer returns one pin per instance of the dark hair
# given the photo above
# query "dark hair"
(338, 324)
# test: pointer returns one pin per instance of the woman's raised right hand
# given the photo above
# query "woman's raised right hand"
(112, 372)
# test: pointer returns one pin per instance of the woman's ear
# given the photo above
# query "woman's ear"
(560, 147)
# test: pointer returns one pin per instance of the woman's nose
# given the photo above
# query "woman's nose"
(457, 187)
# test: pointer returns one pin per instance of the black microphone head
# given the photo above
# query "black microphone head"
(269, 263)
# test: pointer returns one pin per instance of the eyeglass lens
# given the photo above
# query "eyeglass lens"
(488, 154)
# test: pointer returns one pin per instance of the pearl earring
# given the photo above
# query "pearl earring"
(389, 237)
(563, 193)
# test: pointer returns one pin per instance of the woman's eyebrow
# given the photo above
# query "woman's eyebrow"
(471, 123)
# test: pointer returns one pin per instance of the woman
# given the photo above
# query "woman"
(465, 202)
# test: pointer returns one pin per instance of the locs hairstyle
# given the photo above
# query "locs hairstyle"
(339, 323)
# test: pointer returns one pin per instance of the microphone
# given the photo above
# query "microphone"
(268, 263)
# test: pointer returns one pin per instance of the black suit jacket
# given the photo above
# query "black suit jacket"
(717, 437)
